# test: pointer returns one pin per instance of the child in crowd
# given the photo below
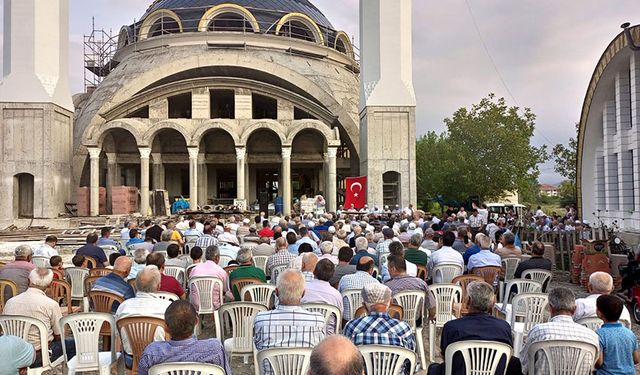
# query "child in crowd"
(79, 261)
(56, 264)
(618, 345)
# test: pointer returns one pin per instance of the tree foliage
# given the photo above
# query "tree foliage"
(485, 152)
(564, 158)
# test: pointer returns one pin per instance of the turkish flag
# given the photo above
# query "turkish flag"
(356, 193)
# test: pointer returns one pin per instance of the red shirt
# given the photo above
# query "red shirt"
(171, 285)
(265, 232)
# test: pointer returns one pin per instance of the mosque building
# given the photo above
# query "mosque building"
(214, 100)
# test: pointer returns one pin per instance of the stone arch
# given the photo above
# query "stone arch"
(94, 135)
(343, 38)
(150, 134)
(215, 124)
(319, 126)
(306, 21)
(220, 9)
(273, 125)
(151, 19)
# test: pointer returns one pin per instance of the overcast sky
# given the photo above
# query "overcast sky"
(545, 51)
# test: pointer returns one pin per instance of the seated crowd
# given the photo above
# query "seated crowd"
(152, 269)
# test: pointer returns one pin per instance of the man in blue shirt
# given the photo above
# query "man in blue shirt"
(115, 282)
(91, 250)
(134, 239)
(181, 318)
(16, 355)
(484, 258)
(105, 240)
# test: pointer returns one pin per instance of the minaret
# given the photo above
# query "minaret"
(36, 109)
(387, 102)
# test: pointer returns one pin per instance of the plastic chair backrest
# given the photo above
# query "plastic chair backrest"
(395, 311)
(239, 283)
(387, 360)
(530, 309)
(329, 312)
(352, 298)
(521, 286)
(412, 301)
(191, 238)
(166, 295)
(259, 293)
(286, 361)
(109, 249)
(276, 271)
(592, 323)
(187, 271)
(204, 286)
(141, 331)
(445, 295)
(60, 290)
(480, 357)
(90, 281)
(464, 281)
(260, 261)
(240, 315)
(103, 301)
(76, 277)
(40, 261)
(99, 272)
(509, 266)
(541, 276)
(20, 326)
(563, 357)
(490, 274)
(91, 262)
(11, 287)
(422, 272)
(447, 272)
(186, 368)
(176, 272)
(224, 260)
(85, 329)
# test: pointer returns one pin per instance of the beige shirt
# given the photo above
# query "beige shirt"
(509, 252)
(35, 304)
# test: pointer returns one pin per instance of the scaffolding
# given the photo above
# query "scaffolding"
(99, 49)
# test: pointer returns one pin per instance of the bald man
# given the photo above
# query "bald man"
(362, 277)
(309, 261)
(116, 282)
(336, 355)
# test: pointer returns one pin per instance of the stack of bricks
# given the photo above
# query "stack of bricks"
(83, 197)
(576, 261)
(124, 200)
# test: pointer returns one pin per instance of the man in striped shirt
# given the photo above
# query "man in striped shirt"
(115, 281)
(289, 325)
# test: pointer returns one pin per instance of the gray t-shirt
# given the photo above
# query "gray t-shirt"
(341, 271)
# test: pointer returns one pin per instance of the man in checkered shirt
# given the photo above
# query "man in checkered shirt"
(562, 303)
(378, 327)
(281, 257)
(289, 325)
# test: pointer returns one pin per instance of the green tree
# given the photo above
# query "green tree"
(565, 164)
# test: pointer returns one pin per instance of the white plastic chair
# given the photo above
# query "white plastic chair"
(285, 361)
(191, 238)
(563, 357)
(480, 357)
(332, 316)
(204, 286)
(76, 276)
(592, 323)
(509, 265)
(519, 286)
(177, 272)
(260, 261)
(186, 368)
(447, 272)
(166, 295)
(20, 326)
(109, 249)
(352, 300)
(224, 260)
(85, 328)
(187, 271)
(412, 302)
(541, 276)
(259, 293)
(40, 261)
(528, 310)
(276, 271)
(445, 295)
(240, 315)
(386, 359)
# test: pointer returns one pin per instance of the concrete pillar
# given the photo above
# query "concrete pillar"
(241, 154)
(193, 177)
(112, 177)
(286, 179)
(94, 163)
(158, 171)
(203, 180)
(332, 195)
(145, 153)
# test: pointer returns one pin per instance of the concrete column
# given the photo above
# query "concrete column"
(94, 162)
(241, 154)
(332, 195)
(112, 177)
(145, 153)
(158, 171)
(193, 177)
(203, 180)
(286, 179)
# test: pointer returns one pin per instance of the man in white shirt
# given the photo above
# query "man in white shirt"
(48, 248)
(446, 254)
(599, 283)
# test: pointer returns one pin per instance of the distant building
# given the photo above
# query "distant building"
(549, 190)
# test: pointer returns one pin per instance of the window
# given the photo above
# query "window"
(301, 114)
(230, 22)
(164, 26)
(180, 106)
(391, 188)
(297, 30)
(140, 113)
(264, 107)
(223, 104)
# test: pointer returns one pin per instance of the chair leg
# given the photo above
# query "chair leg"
(432, 341)
(420, 348)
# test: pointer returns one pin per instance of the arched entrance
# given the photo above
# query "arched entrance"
(23, 193)
(219, 172)
(308, 167)
(264, 153)
(170, 158)
(391, 188)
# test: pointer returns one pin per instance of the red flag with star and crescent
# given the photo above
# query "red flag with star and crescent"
(356, 192)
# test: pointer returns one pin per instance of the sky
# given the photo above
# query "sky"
(538, 54)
